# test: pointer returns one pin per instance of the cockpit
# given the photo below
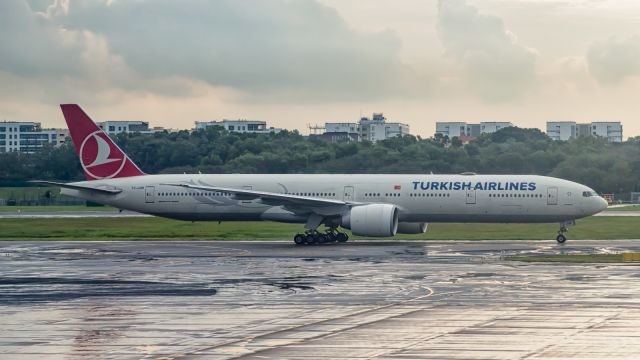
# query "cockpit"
(589, 194)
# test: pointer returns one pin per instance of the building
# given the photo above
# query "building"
(28, 137)
(612, 131)
(451, 129)
(123, 126)
(566, 130)
(341, 131)
(474, 130)
(493, 126)
(466, 131)
(562, 130)
(372, 129)
(239, 126)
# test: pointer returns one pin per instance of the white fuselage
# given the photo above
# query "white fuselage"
(419, 198)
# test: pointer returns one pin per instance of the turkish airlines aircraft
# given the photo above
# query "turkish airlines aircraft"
(369, 205)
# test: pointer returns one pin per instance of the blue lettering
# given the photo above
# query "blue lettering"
(478, 186)
(457, 185)
(492, 186)
(415, 185)
(424, 185)
(443, 186)
(435, 186)
(500, 187)
(524, 186)
(532, 186)
(513, 186)
(466, 186)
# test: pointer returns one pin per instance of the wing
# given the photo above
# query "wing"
(104, 191)
(271, 198)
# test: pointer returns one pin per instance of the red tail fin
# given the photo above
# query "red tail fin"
(99, 156)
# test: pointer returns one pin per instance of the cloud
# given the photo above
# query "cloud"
(495, 65)
(264, 48)
(614, 60)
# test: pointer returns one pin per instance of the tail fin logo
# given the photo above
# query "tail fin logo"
(99, 158)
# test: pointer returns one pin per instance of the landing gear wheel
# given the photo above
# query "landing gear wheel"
(342, 237)
(561, 239)
(299, 239)
(321, 238)
(312, 239)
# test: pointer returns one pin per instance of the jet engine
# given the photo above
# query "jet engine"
(412, 228)
(372, 220)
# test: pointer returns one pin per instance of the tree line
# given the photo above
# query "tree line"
(606, 167)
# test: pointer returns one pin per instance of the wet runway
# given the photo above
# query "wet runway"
(257, 300)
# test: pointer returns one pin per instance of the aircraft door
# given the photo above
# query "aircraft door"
(552, 196)
(471, 197)
(348, 193)
(150, 194)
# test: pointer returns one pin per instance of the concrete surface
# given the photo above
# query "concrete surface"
(273, 300)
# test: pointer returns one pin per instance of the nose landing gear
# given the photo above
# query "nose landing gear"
(564, 228)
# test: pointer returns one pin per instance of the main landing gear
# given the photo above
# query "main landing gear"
(564, 228)
(314, 237)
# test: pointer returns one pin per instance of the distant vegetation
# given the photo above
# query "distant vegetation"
(608, 168)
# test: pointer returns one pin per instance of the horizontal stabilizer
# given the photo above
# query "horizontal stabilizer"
(103, 191)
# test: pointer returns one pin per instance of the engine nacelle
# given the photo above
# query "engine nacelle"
(412, 228)
(372, 220)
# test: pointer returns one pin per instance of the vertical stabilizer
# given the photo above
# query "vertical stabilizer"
(99, 156)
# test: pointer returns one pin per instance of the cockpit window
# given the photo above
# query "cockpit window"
(589, 194)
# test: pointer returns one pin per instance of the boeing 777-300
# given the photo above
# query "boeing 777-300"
(369, 205)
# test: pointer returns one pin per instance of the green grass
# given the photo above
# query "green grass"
(55, 208)
(29, 192)
(596, 258)
(157, 228)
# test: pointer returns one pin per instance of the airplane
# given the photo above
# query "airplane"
(369, 205)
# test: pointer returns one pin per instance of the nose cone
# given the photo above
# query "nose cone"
(599, 204)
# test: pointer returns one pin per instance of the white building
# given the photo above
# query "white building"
(566, 130)
(466, 131)
(239, 126)
(612, 131)
(28, 136)
(451, 129)
(122, 126)
(493, 126)
(562, 130)
(374, 129)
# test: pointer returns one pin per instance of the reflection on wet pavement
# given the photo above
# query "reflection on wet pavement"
(396, 300)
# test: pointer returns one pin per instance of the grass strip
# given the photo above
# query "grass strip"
(594, 228)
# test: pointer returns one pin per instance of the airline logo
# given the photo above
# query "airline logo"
(468, 185)
(99, 157)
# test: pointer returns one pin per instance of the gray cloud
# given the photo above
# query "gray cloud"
(495, 64)
(614, 60)
(31, 45)
(261, 47)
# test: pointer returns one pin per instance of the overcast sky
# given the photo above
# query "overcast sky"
(299, 62)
